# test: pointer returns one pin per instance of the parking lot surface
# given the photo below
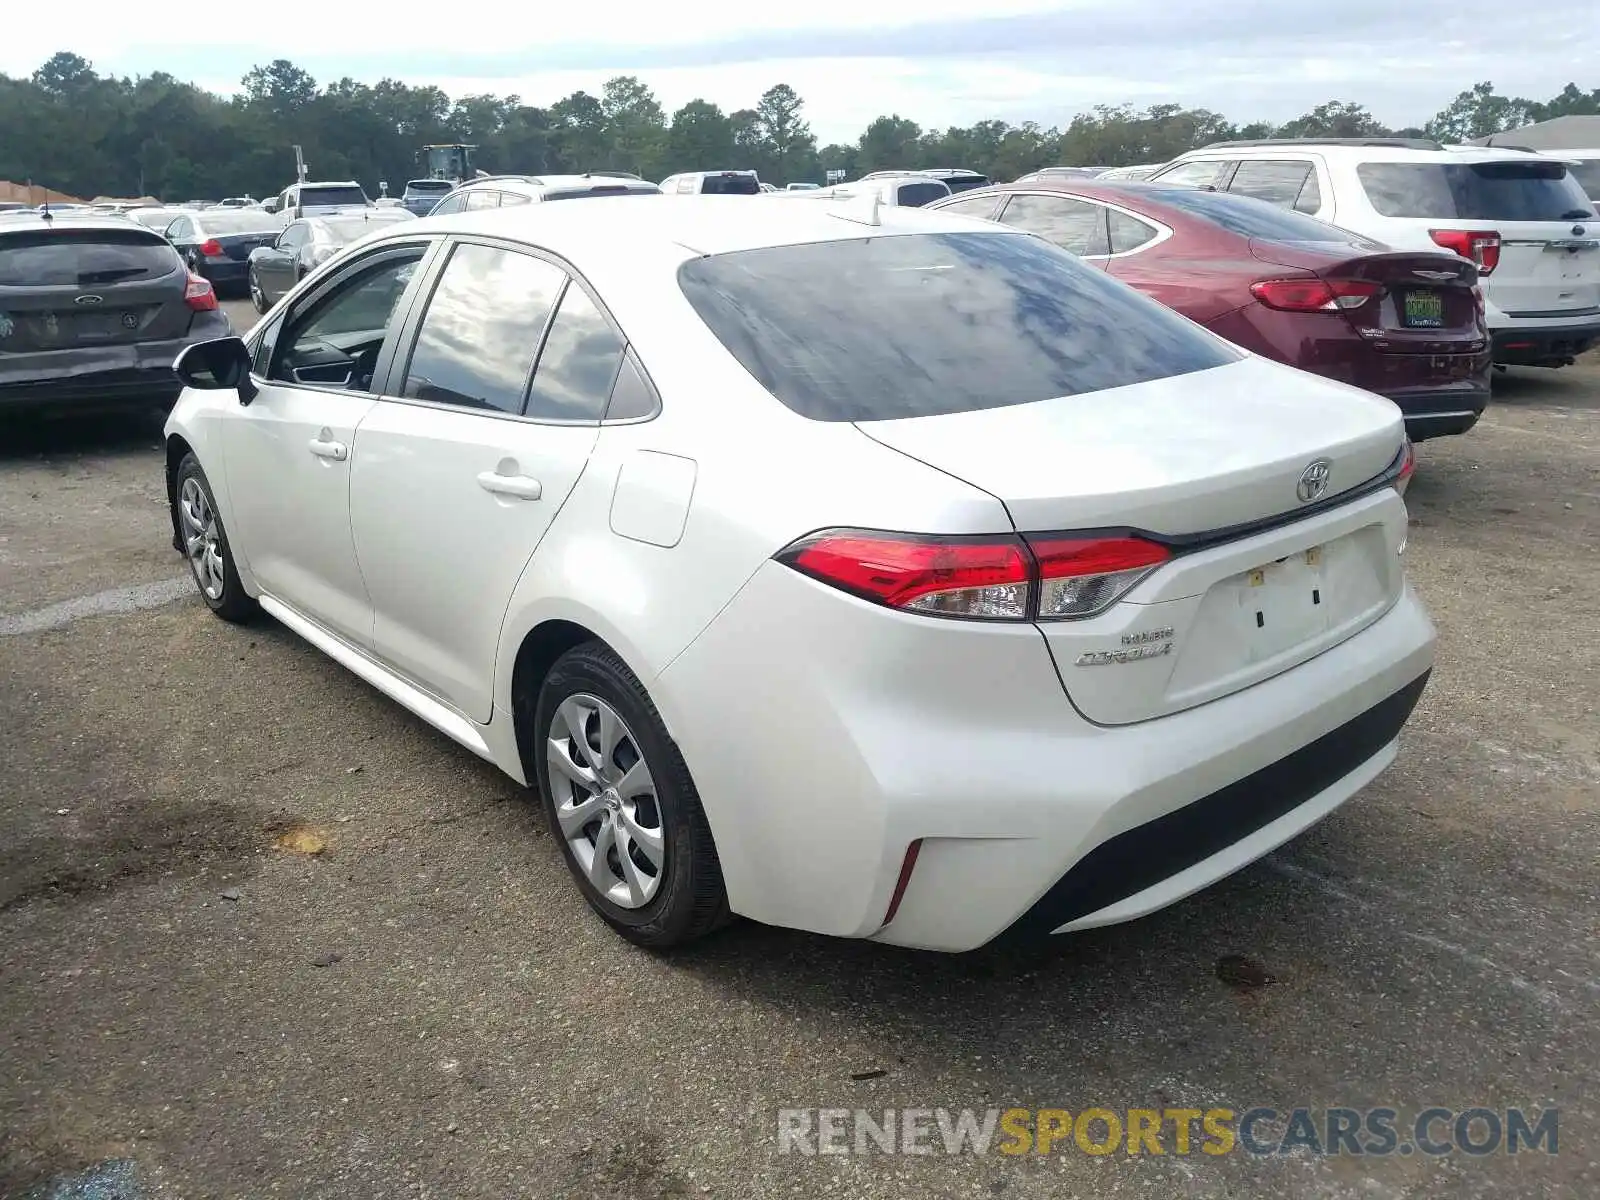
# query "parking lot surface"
(264, 933)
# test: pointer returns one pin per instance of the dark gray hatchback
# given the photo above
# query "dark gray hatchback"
(93, 311)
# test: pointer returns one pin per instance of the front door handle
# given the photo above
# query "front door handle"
(520, 486)
(326, 448)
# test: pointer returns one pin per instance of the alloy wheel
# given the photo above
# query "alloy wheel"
(605, 801)
(257, 296)
(201, 539)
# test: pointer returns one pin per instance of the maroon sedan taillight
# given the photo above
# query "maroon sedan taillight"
(1314, 295)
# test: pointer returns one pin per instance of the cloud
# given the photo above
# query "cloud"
(930, 60)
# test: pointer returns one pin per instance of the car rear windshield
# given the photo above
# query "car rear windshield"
(965, 183)
(221, 222)
(915, 195)
(1244, 215)
(1489, 191)
(83, 257)
(730, 185)
(351, 196)
(917, 325)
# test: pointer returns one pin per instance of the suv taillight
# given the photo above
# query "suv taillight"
(1314, 295)
(199, 294)
(1037, 577)
(1479, 246)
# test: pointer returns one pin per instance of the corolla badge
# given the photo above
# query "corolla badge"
(1313, 481)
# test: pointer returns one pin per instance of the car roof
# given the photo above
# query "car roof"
(1372, 150)
(83, 219)
(701, 225)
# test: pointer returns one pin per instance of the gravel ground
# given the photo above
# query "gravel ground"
(264, 933)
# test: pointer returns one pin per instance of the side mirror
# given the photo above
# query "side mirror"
(220, 365)
(270, 206)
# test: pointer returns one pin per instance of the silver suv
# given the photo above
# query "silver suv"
(1521, 217)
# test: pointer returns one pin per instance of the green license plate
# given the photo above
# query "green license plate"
(1423, 310)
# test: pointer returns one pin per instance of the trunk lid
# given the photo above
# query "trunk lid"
(1547, 268)
(1189, 460)
(1425, 304)
(1186, 455)
(72, 288)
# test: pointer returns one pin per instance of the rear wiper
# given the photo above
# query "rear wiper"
(1577, 214)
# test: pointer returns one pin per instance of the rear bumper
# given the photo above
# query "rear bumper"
(1544, 345)
(225, 273)
(101, 377)
(1436, 412)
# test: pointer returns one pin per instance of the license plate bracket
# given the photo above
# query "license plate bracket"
(1422, 309)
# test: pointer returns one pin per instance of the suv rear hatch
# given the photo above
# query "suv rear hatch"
(1093, 414)
(70, 288)
(1536, 234)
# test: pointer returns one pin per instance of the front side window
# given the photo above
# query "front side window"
(1074, 225)
(334, 341)
(578, 364)
(915, 325)
(450, 204)
(483, 198)
(482, 328)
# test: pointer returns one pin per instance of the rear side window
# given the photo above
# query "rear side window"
(972, 206)
(578, 364)
(1074, 225)
(482, 329)
(730, 185)
(1129, 233)
(1277, 181)
(1202, 172)
(83, 257)
(1252, 218)
(915, 195)
(1494, 191)
(926, 324)
(332, 195)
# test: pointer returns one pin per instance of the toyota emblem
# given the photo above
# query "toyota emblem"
(1313, 481)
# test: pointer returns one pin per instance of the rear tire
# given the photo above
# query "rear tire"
(621, 804)
(205, 545)
(257, 297)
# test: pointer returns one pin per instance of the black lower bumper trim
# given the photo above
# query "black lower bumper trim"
(1543, 347)
(1159, 849)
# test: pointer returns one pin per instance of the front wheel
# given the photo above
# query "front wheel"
(257, 296)
(621, 804)
(205, 545)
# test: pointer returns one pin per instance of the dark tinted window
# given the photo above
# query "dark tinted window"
(915, 195)
(965, 183)
(971, 206)
(1253, 218)
(923, 324)
(1073, 225)
(1498, 191)
(730, 185)
(632, 396)
(83, 257)
(1277, 181)
(1129, 233)
(221, 222)
(481, 329)
(578, 364)
(353, 196)
(1587, 174)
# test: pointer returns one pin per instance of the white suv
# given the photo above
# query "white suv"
(1522, 217)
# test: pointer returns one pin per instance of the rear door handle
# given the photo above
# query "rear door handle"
(323, 448)
(520, 486)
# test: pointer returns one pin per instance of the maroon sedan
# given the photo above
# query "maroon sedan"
(1406, 325)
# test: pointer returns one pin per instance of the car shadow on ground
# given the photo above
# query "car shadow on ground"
(1540, 387)
(65, 437)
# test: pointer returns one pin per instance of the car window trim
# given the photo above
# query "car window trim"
(392, 374)
(368, 259)
(1164, 231)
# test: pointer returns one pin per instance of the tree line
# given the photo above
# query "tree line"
(69, 128)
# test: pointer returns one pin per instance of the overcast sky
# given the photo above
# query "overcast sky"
(931, 60)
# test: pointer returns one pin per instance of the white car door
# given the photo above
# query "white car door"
(288, 453)
(464, 463)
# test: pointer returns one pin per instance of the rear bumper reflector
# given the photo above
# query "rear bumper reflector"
(906, 867)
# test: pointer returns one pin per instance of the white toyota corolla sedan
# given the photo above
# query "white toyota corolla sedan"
(882, 573)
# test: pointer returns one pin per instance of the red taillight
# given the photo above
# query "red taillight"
(1479, 246)
(211, 248)
(1083, 576)
(1314, 295)
(199, 295)
(1043, 576)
